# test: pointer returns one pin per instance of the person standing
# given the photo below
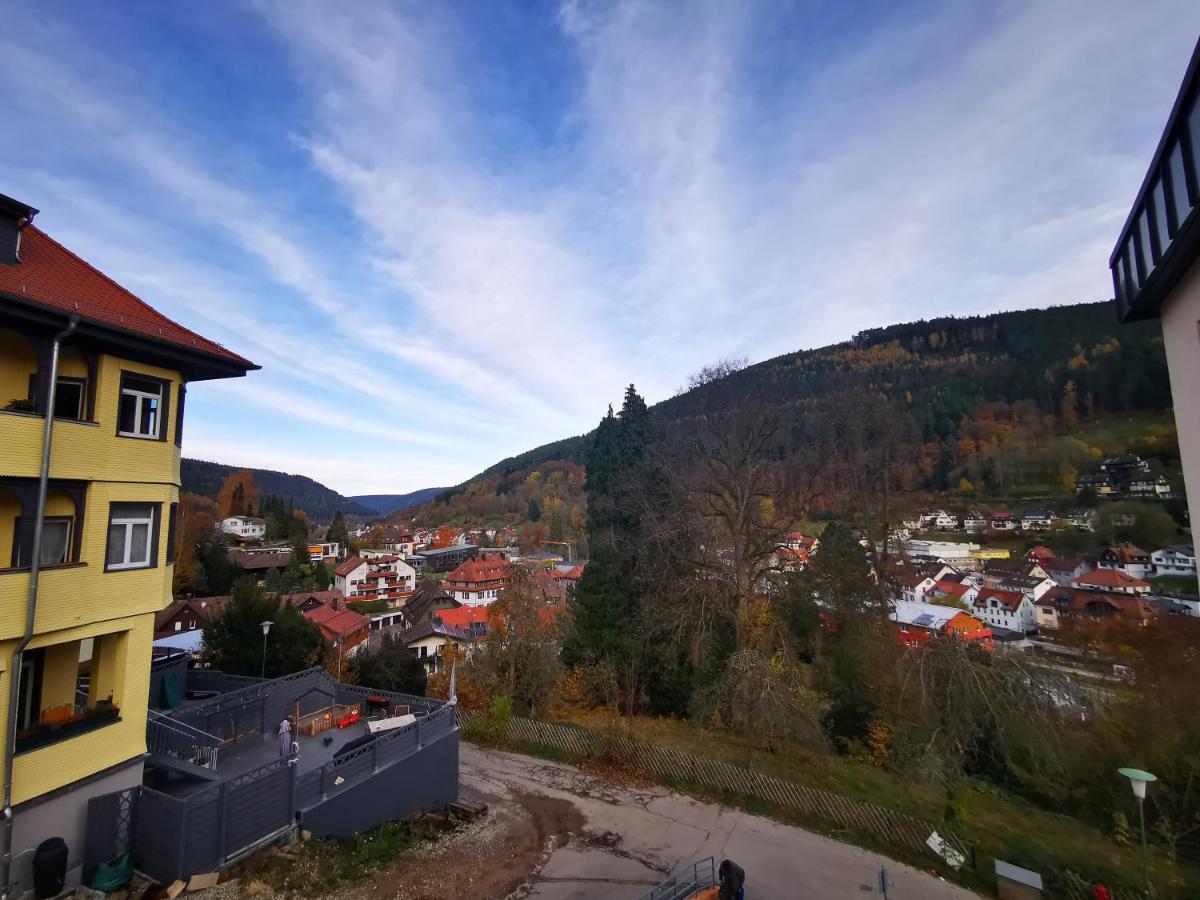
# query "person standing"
(733, 881)
(285, 737)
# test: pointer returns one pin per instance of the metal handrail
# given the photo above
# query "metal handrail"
(173, 724)
(686, 882)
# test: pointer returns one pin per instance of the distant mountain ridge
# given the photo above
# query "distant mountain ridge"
(318, 501)
(387, 504)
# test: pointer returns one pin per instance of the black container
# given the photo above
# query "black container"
(50, 868)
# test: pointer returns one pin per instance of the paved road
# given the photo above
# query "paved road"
(624, 840)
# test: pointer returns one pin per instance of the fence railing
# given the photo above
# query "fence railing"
(684, 883)
(181, 740)
(343, 773)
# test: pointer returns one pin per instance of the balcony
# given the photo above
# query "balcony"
(66, 690)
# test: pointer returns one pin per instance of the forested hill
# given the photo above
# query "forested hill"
(318, 501)
(1066, 363)
(386, 504)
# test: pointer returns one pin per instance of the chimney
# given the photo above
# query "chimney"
(14, 215)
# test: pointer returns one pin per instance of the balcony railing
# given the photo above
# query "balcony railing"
(68, 721)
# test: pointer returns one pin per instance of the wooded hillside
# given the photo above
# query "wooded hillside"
(983, 406)
(319, 502)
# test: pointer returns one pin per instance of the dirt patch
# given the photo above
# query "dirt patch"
(492, 857)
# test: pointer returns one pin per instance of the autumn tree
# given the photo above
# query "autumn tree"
(390, 666)
(519, 657)
(238, 495)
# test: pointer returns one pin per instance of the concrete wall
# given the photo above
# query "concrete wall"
(63, 815)
(427, 781)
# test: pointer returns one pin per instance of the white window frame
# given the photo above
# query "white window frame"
(128, 519)
(140, 398)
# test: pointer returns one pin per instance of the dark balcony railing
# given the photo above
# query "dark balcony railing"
(80, 720)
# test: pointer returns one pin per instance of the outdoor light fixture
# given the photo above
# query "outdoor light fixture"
(1138, 779)
(266, 627)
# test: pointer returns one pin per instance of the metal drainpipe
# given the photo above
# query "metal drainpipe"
(35, 571)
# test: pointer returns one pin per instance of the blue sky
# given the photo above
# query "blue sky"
(450, 232)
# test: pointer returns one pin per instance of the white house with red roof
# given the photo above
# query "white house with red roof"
(963, 593)
(478, 582)
(1128, 558)
(913, 588)
(1112, 581)
(350, 576)
(1011, 610)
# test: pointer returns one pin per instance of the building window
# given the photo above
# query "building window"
(142, 407)
(131, 536)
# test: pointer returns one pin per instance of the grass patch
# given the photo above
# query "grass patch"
(317, 867)
(1175, 584)
(367, 607)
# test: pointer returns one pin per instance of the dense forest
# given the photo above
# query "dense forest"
(319, 502)
(982, 407)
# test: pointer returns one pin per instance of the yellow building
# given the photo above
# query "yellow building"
(74, 681)
(990, 553)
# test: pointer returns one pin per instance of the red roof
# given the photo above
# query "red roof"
(953, 588)
(1010, 600)
(51, 275)
(484, 569)
(337, 624)
(463, 616)
(348, 566)
(1111, 578)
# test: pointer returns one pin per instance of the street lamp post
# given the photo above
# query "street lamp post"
(1138, 779)
(266, 627)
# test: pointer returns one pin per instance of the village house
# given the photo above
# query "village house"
(1131, 560)
(245, 528)
(1004, 521)
(1098, 605)
(997, 570)
(975, 522)
(345, 629)
(913, 588)
(95, 379)
(1063, 570)
(477, 582)
(1008, 610)
(918, 623)
(959, 592)
(798, 540)
(326, 552)
(1113, 581)
(1177, 560)
(1038, 520)
(1100, 483)
(428, 640)
(350, 576)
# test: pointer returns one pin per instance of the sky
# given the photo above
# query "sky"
(450, 232)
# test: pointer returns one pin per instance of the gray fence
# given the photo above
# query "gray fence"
(346, 771)
(178, 837)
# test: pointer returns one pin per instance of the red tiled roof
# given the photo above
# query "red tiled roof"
(953, 588)
(1111, 578)
(463, 616)
(348, 566)
(51, 275)
(1131, 607)
(473, 571)
(337, 623)
(1010, 600)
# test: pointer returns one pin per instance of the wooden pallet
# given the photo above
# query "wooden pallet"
(467, 809)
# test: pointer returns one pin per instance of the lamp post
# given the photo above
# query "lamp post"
(266, 627)
(1138, 779)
